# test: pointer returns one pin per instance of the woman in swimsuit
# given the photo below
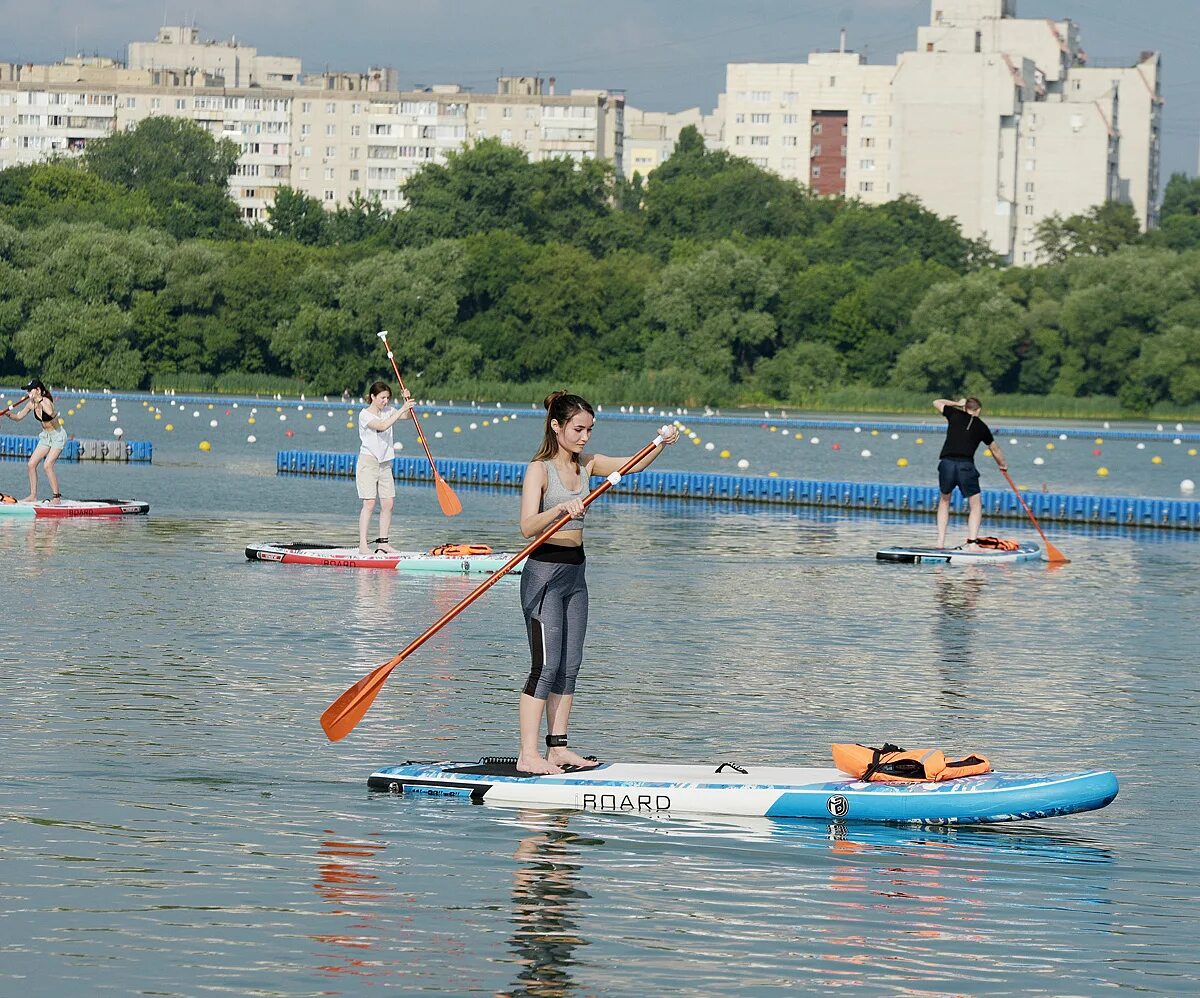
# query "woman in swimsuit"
(554, 591)
(50, 442)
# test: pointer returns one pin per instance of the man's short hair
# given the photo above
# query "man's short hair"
(973, 404)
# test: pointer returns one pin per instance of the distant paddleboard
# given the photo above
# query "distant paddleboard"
(765, 791)
(328, 556)
(75, 507)
(958, 556)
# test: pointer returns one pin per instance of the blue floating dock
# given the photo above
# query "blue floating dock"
(1063, 507)
(123, 451)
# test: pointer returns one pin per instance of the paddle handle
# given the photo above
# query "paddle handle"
(383, 335)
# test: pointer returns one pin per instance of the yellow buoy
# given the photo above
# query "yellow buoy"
(458, 429)
(349, 426)
(486, 423)
(1099, 440)
(1156, 459)
(251, 420)
(696, 440)
(210, 405)
(1102, 472)
(920, 440)
(902, 462)
(158, 415)
(772, 474)
(205, 445)
(70, 412)
(1191, 452)
(1049, 446)
(724, 453)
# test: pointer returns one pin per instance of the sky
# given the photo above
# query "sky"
(666, 55)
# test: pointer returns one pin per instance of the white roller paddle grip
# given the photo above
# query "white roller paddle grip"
(382, 334)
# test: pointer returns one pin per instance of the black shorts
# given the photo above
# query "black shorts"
(958, 471)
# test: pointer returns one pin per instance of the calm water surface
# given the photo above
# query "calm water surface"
(172, 820)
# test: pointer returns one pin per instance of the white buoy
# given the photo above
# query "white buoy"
(1013, 441)
(437, 435)
(1159, 427)
(212, 422)
(1141, 446)
(743, 463)
(196, 413)
(112, 419)
(865, 453)
(474, 426)
(895, 436)
(814, 440)
(397, 446)
(321, 428)
(858, 429)
(1062, 436)
(709, 446)
(283, 417)
(1187, 486)
(1106, 425)
(251, 439)
(1039, 460)
(118, 433)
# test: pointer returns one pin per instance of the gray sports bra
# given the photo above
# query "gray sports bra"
(556, 492)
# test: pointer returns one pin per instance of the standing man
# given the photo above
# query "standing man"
(956, 465)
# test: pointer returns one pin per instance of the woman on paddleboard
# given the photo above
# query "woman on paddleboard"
(50, 442)
(554, 594)
(373, 475)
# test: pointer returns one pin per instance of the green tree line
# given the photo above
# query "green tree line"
(712, 281)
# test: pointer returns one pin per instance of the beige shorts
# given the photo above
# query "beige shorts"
(374, 480)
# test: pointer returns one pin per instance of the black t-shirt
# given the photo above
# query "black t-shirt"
(963, 434)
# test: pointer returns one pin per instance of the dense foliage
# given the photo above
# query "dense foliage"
(711, 281)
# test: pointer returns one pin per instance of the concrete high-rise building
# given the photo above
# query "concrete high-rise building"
(996, 121)
(650, 136)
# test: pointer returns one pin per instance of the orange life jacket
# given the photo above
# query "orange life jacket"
(996, 543)
(6, 498)
(892, 764)
(461, 550)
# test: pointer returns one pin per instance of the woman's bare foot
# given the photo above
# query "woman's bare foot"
(565, 757)
(537, 765)
(365, 550)
(386, 547)
(32, 497)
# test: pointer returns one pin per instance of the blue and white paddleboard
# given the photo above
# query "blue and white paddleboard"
(958, 556)
(764, 791)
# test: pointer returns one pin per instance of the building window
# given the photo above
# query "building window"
(867, 142)
(790, 140)
(816, 170)
(508, 112)
(330, 107)
(737, 140)
(329, 195)
(833, 81)
(305, 130)
(306, 107)
(790, 119)
(868, 121)
(155, 103)
(131, 102)
(1029, 209)
(354, 153)
(329, 173)
(866, 164)
(304, 173)
(331, 130)
(506, 135)
(760, 161)
(1030, 164)
(816, 151)
(354, 175)
(866, 186)
(739, 118)
(355, 131)
(356, 109)
(759, 140)
(330, 152)
(870, 98)
(1031, 141)
(816, 128)
(180, 104)
(1029, 186)
(760, 96)
(760, 119)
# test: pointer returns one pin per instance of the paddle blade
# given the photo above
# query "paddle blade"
(1055, 556)
(341, 716)
(446, 497)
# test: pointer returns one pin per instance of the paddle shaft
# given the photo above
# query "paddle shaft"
(413, 411)
(343, 714)
(8, 408)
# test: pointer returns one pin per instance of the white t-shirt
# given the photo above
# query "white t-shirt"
(376, 443)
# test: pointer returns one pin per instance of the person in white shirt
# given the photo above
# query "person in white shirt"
(373, 475)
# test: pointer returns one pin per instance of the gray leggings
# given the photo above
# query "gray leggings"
(555, 600)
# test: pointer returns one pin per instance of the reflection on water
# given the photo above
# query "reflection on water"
(547, 905)
(355, 896)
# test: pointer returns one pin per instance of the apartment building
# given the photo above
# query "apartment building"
(333, 136)
(650, 136)
(996, 121)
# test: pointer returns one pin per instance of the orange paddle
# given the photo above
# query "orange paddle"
(1055, 556)
(446, 497)
(346, 711)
